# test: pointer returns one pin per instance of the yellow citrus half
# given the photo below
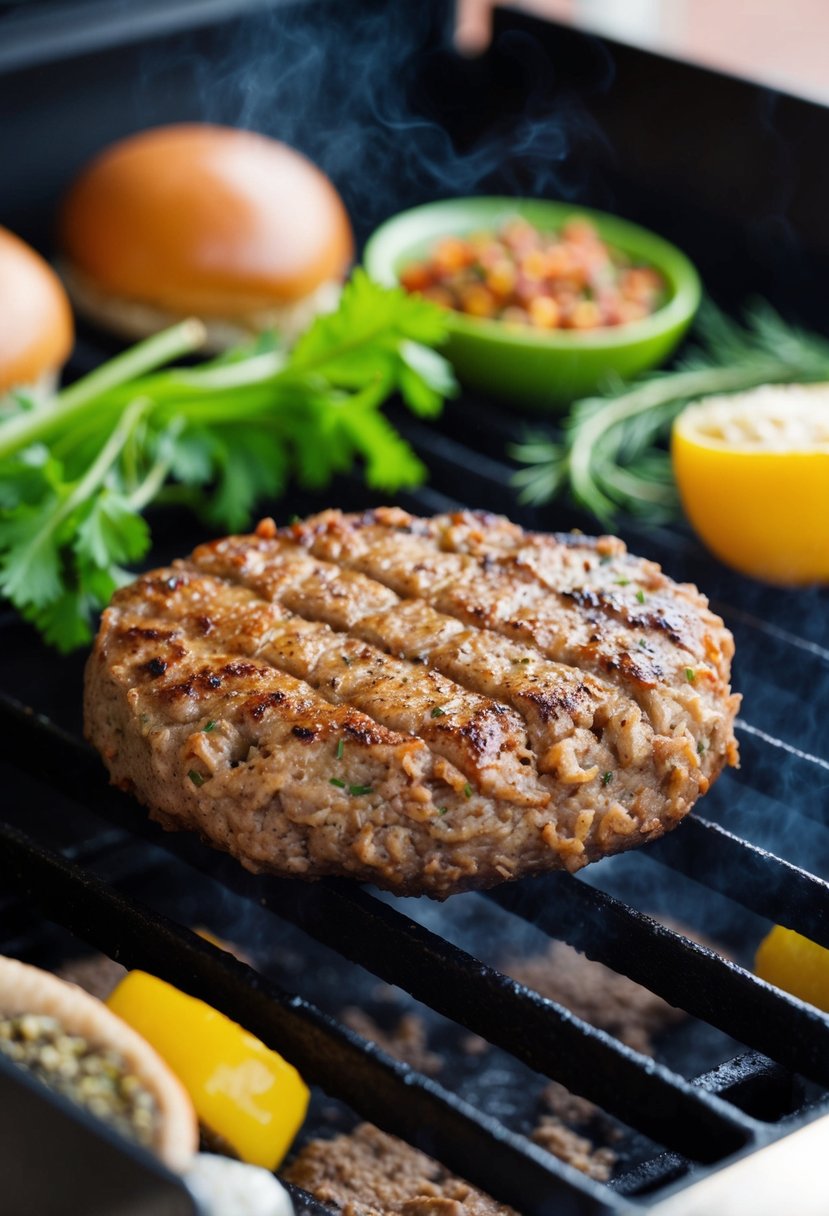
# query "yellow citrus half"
(753, 475)
(795, 964)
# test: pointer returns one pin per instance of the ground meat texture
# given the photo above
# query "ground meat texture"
(431, 705)
(577, 1150)
(368, 1173)
(407, 1040)
(596, 994)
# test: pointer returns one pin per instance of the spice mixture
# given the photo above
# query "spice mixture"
(94, 1077)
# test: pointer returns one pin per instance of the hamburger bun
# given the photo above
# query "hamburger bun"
(207, 221)
(36, 331)
(28, 990)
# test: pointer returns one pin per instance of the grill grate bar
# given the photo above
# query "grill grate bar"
(47, 752)
(679, 970)
(379, 1088)
(544, 1035)
(798, 779)
(757, 879)
(751, 1081)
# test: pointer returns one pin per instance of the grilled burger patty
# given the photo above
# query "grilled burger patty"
(431, 705)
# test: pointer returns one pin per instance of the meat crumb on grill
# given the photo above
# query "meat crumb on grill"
(406, 1041)
(567, 1106)
(577, 1150)
(593, 992)
(369, 1173)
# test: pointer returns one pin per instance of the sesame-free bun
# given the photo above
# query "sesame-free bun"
(25, 989)
(35, 318)
(206, 221)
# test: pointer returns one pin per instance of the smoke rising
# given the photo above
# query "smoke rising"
(377, 97)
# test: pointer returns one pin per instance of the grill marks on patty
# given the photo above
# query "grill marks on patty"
(275, 693)
(578, 726)
(478, 739)
(588, 605)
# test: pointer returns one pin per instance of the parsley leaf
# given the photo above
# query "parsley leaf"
(77, 471)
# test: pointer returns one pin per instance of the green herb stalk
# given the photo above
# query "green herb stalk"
(608, 457)
(77, 471)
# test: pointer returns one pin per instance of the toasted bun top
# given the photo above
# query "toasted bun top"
(36, 330)
(205, 219)
(25, 989)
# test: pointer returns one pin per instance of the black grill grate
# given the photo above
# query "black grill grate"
(720, 1113)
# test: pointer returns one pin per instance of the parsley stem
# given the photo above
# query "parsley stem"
(157, 474)
(95, 474)
(24, 429)
(251, 371)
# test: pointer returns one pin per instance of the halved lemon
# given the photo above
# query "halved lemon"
(795, 964)
(753, 475)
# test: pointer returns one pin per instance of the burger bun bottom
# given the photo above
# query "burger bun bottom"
(136, 319)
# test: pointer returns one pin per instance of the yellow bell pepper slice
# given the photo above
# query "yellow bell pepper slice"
(796, 964)
(242, 1091)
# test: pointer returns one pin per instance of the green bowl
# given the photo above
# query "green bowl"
(543, 370)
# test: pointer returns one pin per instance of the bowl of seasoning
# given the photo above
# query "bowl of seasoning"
(546, 301)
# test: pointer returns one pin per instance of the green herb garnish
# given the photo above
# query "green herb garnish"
(208, 726)
(609, 456)
(690, 675)
(340, 748)
(467, 790)
(442, 810)
(196, 777)
(437, 712)
(622, 582)
(336, 781)
(607, 778)
(700, 748)
(640, 595)
(78, 470)
(357, 790)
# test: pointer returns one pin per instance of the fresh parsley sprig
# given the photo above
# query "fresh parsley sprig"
(608, 456)
(77, 471)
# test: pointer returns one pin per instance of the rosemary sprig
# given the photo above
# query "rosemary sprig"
(608, 456)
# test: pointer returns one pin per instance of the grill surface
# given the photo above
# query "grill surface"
(750, 1065)
(675, 1124)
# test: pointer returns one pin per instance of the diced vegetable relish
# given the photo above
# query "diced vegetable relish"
(564, 280)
